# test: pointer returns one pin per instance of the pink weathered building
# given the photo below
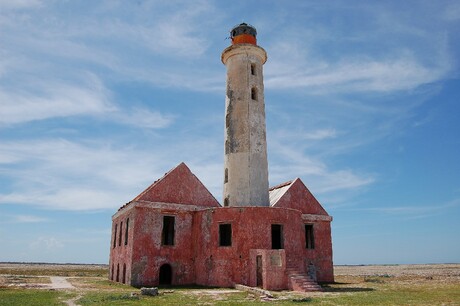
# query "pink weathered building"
(176, 232)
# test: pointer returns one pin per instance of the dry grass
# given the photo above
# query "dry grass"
(355, 285)
(39, 269)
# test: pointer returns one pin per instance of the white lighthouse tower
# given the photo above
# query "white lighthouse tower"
(245, 161)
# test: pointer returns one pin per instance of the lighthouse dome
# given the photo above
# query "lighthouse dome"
(243, 34)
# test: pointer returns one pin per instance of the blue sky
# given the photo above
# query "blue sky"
(99, 99)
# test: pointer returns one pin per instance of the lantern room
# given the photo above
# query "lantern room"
(243, 34)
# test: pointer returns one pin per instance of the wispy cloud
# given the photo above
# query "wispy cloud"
(413, 211)
(65, 175)
(14, 218)
(29, 219)
(20, 4)
(294, 162)
(361, 75)
(46, 243)
(145, 118)
(55, 100)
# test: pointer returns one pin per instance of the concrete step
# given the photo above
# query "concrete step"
(301, 281)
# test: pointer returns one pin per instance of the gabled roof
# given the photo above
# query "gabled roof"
(294, 194)
(179, 186)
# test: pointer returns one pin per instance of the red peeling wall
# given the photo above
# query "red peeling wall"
(196, 256)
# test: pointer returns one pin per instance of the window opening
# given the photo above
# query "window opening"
(112, 272)
(165, 274)
(115, 236)
(118, 272)
(124, 274)
(277, 236)
(168, 230)
(126, 231)
(225, 234)
(309, 237)
(226, 176)
(120, 234)
(226, 200)
(253, 69)
(254, 93)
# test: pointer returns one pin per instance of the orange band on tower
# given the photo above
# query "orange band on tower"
(244, 39)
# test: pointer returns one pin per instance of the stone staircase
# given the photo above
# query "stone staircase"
(301, 281)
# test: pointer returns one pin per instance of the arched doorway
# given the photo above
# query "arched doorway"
(165, 274)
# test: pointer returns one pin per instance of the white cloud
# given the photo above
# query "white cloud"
(28, 219)
(57, 100)
(65, 175)
(293, 162)
(47, 243)
(144, 118)
(361, 75)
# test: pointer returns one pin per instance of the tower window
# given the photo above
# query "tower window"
(309, 237)
(126, 231)
(225, 234)
(167, 235)
(226, 176)
(277, 237)
(253, 69)
(115, 236)
(226, 201)
(254, 93)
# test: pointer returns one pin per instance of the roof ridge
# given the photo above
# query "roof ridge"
(281, 185)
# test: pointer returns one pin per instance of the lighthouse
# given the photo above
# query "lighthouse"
(175, 232)
(245, 159)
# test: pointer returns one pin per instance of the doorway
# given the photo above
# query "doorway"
(259, 279)
(165, 274)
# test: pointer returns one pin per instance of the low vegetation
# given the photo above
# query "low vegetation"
(355, 285)
(29, 297)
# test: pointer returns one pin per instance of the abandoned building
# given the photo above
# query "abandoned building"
(176, 232)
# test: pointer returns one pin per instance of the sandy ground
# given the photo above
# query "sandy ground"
(435, 270)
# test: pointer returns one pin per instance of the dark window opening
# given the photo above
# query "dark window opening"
(168, 231)
(253, 69)
(225, 234)
(165, 274)
(277, 236)
(254, 93)
(226, 201)
(124, 274)
(118, 272)
(120, 234)
(115, 236)
(309, 237)
(126, 231)
(226, 176)
(112, 272)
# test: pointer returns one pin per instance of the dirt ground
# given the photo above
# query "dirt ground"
(38, 275)
(80, 279)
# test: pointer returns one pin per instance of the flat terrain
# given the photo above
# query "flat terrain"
(52, 284)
